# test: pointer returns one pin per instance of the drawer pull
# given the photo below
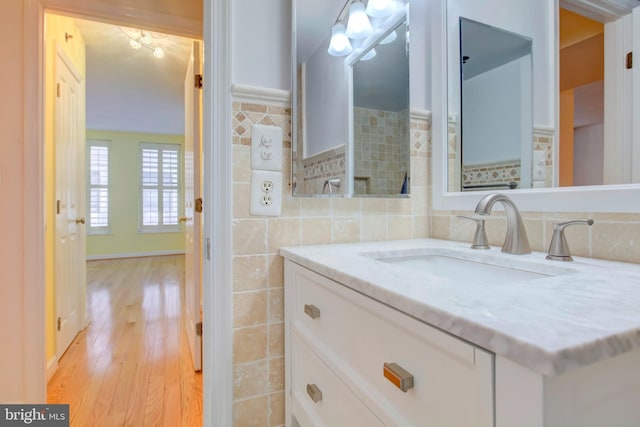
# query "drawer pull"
(312, 311)
(398, 376)
(314, 392)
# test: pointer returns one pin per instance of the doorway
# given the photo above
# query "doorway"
(122, 136)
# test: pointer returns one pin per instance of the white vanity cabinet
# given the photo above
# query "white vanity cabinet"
(557, 351)
(349, 358)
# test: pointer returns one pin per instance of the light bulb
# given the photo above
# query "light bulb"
(381, 8)
(339, 44)
(146, 38)
(391, 37)
(158, 52)
(370, 55)
(134, 44)
(358, 26)
(133, 33)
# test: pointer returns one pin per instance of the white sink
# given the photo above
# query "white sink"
(460, 267)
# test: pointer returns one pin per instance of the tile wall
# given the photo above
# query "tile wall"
(258, 269)
(258, 278)
(380, 150)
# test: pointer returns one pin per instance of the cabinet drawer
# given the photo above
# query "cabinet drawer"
(356, 336)
(320, 398)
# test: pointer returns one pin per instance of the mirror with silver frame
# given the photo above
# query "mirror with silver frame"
(350, 116)
(583, 137)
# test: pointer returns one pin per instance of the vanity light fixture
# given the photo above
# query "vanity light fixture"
(370, 55)
(140, 38)
(380, 8)
(359, 26)
(340, 44)
(390, 38)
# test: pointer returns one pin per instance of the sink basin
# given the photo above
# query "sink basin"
(486, 269)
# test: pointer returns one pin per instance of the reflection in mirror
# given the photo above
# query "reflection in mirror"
(581, 134)
(381, 119)
(496, 108)
(350, 113)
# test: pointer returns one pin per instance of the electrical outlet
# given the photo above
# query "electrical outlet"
(267, 186)
(266, 193)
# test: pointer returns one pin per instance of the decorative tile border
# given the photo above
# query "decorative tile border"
(491, 173)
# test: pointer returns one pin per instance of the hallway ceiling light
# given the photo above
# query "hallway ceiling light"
(158, 52)
(140, 38)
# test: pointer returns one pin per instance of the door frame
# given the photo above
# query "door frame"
(217, 299)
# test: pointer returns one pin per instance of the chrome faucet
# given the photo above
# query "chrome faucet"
(559, 248)
(515, 241)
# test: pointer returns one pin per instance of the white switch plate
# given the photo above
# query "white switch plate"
(266, 148)
(539, 165)
(266, 193)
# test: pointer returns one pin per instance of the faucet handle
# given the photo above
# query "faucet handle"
(559, 248)
(480, 240)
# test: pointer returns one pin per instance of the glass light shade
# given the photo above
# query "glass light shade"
(390, 38)
(339, 44)
(134, 44)
(381, 8)
(158, 52)
(146, 38)
(370, 55)
(358, 26)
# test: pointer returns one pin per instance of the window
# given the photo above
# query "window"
(98, 188)
(159, 187)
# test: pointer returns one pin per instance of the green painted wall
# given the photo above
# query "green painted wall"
(125, 189)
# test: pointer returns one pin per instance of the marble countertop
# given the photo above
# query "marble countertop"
(585, 311)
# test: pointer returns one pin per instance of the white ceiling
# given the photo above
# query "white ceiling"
(131, 90)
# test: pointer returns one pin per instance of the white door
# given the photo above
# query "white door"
(70, 268)
(193, 215)
(635, 118)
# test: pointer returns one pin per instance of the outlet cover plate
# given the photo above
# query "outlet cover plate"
(258, 180)
(266, 148)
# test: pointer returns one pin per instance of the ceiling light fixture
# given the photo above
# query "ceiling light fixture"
(140, 38)
(359, 26)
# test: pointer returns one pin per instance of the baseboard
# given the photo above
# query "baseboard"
(52, 366)
(133, 255)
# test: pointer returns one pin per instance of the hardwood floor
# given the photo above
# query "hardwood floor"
(132, 365)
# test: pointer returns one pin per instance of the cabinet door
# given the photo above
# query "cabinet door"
(320, 398)
(355, 336)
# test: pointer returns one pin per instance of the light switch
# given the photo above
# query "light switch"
(539, 165)
(266, 148)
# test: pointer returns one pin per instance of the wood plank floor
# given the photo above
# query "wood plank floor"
(132, 365)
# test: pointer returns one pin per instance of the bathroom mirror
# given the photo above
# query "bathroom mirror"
(350, 115)
(537, 20)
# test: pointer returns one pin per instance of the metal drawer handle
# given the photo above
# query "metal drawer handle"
(314, 392)
(312, 311)
(398, 376)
